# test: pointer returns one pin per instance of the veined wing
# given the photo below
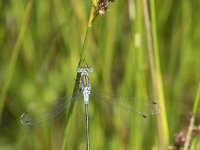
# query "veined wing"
(130, 106)
(45, 113)
(127, 106)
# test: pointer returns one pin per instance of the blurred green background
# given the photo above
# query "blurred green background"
(40, 43)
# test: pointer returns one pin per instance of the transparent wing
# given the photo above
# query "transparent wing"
(47, 112)
(127, 107)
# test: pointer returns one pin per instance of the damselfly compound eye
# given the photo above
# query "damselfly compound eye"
(78, 69)
(90, 69)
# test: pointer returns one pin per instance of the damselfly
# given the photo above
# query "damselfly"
(123, 106)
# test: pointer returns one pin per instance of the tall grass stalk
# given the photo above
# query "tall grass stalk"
(151, 33)
(136, 51)
(189, 133)
(160, 92)
(12, 63)
(192, 119)
(82, 58)
(196, 101)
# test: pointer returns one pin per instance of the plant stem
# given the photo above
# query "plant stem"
(192, 120)
(87, 35)
(14, 56)
(85, 45)
(196, 103)
(164, 123)
(189, 133)
(81, 61)
(155, 70)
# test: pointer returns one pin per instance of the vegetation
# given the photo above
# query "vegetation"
(42, 43)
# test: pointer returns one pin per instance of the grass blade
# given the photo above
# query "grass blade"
(14, 56)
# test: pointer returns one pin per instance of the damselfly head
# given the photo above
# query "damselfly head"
(90, 69)
(84, 69)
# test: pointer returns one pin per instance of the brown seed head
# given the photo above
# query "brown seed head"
(196, 130)
(180, 139)
(103, 6)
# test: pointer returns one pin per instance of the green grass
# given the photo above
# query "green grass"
(42, 43)
(196, 101)
(14, 56)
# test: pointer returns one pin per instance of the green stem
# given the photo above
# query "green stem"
(85, 44)
(164, 123)
(81, 61)
(14, 56)
(197, 98)
(76, 87)
(155, 70)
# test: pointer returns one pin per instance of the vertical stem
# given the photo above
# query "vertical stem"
(192, 119)
(164, 131)
(82, 58)
(149, 44)
(189, 133)
(87, 128)
(85, 44)
(197, 98)
(87, 35)
(155, 70)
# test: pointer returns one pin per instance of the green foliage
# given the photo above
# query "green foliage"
(41, 43)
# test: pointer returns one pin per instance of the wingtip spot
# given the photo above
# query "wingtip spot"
(24, 119)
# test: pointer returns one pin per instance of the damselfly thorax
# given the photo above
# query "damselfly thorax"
(84, 82)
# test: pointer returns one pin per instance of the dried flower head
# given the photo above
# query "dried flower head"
(196, 130)
(103, 6)
(180, 139)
